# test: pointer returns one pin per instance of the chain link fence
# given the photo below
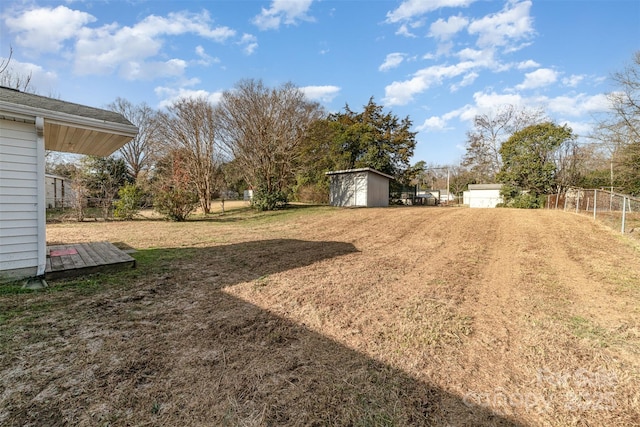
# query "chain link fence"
(618, 211)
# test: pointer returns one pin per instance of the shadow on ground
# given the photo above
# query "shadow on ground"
(173, 348)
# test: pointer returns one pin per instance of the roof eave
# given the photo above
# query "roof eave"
(126, 130)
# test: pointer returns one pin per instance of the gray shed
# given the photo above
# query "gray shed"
(29, 124)
(364, 187)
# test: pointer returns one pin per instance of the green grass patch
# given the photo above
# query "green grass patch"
(586, 329)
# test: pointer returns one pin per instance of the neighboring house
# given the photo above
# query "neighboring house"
(483, 195)
(29, 125)
(59, 193)
(359, 187)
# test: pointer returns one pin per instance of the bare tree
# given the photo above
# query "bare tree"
(9, 78)
(189, 126)
(626, 101)
(489, 133)
(263, 130)
(619, 131)
(140, 153)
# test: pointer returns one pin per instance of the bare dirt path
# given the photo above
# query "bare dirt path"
(397, 316)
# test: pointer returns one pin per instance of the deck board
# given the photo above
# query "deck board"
(88, 258)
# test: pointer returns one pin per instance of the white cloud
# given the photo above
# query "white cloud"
(577, 105)
(529, 63)
(392, 61)
(249, 43)
(105, 49)
(46, 29)
(538, 78)
(512, 23)
(112, 48)
(467, 80)
(171, 95)
(287, 12)
(205, 59)
(435, 123)
(487, 103)
(321, 93)
(401, 93)
(177, 23)
(134, 70)
(444, 30)
(573, 80)
(403, 30)
(411, 9)
(578, 128)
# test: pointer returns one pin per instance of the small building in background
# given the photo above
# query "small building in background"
(59, 193)
(364, 187)
(483, 195)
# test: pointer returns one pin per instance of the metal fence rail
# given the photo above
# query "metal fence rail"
(618, 211)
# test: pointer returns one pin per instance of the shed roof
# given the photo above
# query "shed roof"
(485, 186)
(347, 171)
(68, 127)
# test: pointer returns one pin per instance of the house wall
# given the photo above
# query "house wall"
(19, 219)
(377, 190)
(484, 198)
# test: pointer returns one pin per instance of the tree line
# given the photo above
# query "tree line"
(273, 141)
(279, 144)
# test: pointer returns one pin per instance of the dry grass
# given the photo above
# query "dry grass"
(322, 316)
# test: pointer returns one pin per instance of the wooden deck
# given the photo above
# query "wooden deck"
(85, 258)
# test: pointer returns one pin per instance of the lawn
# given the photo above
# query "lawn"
(323, 316)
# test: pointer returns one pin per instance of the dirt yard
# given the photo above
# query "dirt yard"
(321, 316)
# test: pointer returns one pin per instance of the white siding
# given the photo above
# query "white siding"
(361, 187)
(18, 197)
(484, 198)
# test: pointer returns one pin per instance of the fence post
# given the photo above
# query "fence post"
(595, 203)
(577, 200)
(557, 198)
(624, 211)
(588, 201)
(565, 201)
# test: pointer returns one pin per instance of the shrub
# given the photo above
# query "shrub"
(313, 193)
(128, 204)
(174, 203)
(526, 201)
(264, 200)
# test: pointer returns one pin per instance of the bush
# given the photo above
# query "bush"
(264, 200)
(525, 201)
(128, 204)
(174, 203)
(313, 193)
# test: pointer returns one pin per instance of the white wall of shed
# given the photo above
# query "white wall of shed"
(345, 189)
(377, 190)
(59, 192)
(20, 190)
(484, 198)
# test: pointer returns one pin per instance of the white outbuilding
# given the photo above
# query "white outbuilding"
(59, 191)
(364, 187)
(483, 195)
(29, 125)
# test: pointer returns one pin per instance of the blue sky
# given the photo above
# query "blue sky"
(440, 62)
